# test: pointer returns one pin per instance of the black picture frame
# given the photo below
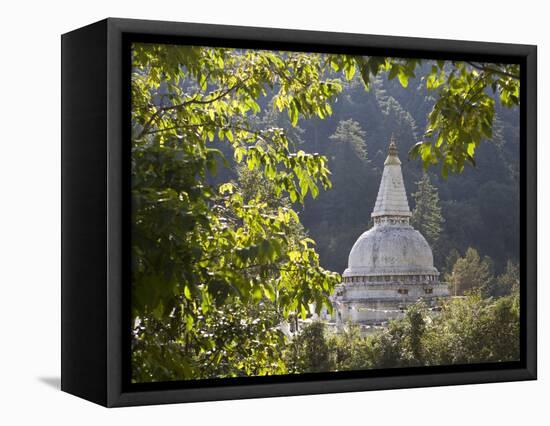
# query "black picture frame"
(95, 212)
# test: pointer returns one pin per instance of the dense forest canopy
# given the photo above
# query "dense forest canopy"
(254, 171)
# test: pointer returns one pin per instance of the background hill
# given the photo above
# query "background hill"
(480, 207)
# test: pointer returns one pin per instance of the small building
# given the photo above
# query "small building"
(390, 266)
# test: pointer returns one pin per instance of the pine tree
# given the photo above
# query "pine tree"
(426, 216)
(350, 132)
(506, 283)
(470, 272)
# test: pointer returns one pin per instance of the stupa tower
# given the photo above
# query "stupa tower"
(390, 265)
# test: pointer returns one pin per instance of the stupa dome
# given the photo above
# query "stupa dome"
(390, 250)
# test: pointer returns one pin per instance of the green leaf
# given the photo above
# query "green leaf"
(293, 196)
(303, 311)
(293, 113)
(239, 153)
(403, 78)
(349, 70)
(227, 187)
(414, 152)
(187, 293)
(269, 292)
(189, 322)
(393, 72)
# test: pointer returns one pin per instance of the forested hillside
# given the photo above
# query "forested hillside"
(479, 207)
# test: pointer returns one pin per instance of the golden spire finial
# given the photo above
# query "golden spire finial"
(393, 147)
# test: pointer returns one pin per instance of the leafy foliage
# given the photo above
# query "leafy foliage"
(505, 283)
(474, 330)
(351, 351)
(202, 251)
(309, 352)
(463, 113)
(467, 330)
(470, 273)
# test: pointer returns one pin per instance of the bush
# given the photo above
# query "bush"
(469, 329)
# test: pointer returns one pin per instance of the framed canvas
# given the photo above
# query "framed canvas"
(253, 212)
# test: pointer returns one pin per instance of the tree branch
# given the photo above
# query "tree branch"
(194, 100)
(493, 70)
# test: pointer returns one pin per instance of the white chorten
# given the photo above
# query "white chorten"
(391, 265)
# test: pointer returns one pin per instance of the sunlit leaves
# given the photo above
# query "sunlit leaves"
(403, 69)
(435, 78)
(349, 69)
(462, 116)
(216, 269)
